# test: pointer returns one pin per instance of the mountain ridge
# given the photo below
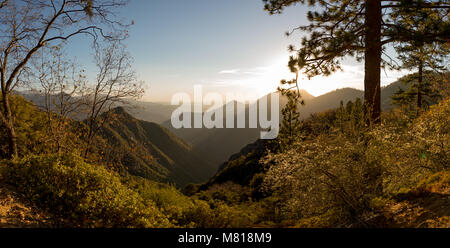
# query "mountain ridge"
(149, 150)
(230, 141)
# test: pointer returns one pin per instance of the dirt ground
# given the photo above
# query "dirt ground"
(16, 212)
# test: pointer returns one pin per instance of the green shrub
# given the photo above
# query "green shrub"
(414, 150)
(87, 195)
(166, 197)
(328, 173)
(217, 214)
(30, 128)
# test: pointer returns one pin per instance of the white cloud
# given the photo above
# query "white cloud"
(233, 71)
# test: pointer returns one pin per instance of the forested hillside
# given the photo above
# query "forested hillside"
(229, 141)
(80, 147)
(320, 180)
(266, 184)
(148, 150)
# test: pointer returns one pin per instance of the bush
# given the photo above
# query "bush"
(87, 195)
(167, 198)
(225, 205)
(414, 150)
(322, 175)
(438, 182)
(217, 214)
(30, 128)
(346, 177)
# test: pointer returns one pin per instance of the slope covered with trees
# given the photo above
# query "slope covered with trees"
(79, 159)
(317, 181)
(149, 150)
(217, 145)
(320, 180)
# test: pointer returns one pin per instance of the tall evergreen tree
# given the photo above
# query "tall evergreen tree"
(419, 92)
(361, 29)
(429, 59)
(291, 123)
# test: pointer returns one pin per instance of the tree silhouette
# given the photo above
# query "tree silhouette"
(291, 124)
(420, 91)
(29, 25)
(429, 59)
(361, 29)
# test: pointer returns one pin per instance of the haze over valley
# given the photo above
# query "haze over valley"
(224, 114)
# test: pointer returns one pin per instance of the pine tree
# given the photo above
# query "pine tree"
(291, 124)
(340, 116)
(419, 91)
(429, 59)
(357, 114)
(361, 29)
(350, 118)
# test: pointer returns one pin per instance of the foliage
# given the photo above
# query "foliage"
(172, 203)
(30, 26)
(336, 173)
(35, 135)
(350, 119)
(30, 127)
(87, 195)
(223, 206)
(146, 150)
(340, 172)
(423, 86)
(317, 176)
(437, 182)
(361, 29)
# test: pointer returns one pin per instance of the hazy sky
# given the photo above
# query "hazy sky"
(224, 45)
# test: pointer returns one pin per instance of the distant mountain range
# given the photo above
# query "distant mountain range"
(217, 145)
(147, 111)
(180, 155)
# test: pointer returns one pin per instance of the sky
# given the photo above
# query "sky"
(227, 46)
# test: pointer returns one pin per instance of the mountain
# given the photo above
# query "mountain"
(217, 145)
(329, 100)
(306, 96)
(387, 92)
(149, 111)
(149, 150)
(241, 167)
(332, 99)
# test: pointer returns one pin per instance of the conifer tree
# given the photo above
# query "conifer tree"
(429, 59)
(291, 123)
(361, 29)
(419, 91)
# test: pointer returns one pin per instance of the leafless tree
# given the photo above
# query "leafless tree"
(63, 88)
(115, 84)
(26, 26)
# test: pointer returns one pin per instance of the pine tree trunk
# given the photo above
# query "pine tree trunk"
(372, 94)
(9, 126)
(419, 89)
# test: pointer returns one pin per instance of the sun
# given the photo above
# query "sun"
(272, 74)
